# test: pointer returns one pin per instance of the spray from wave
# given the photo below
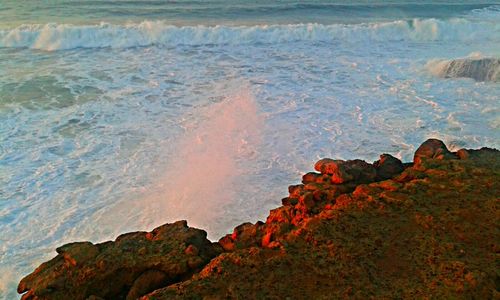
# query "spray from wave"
(201, 174)
(52, 37)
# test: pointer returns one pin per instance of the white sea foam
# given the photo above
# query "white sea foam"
(65, 36)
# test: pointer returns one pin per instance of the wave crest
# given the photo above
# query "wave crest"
(65, 36)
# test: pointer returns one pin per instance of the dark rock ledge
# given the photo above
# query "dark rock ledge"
(427, 229)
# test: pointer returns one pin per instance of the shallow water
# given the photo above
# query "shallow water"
(120, 116)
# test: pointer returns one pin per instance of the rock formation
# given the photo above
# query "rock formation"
(479, 69)
(353, 230)
(133, 265)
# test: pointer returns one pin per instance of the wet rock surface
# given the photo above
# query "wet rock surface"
(479, 69)
(427, 229)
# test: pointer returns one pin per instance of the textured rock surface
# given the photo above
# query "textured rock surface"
(429, 231)
(346, 171)
(388, 166)
(431, 149)
(133, 265)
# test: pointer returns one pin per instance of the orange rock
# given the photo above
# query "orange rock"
(335, 168)
(311, 177)
(431, 148)
(295, 190)
(227, 243)
(266, 239)
(346, 171)
(430, 232)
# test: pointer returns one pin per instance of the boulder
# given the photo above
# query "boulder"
(335, 168)
(388, 166)
(432, 148)
(345, 171)
(311, 177)
(244, 235)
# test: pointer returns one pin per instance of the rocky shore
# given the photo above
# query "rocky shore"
(426, 229)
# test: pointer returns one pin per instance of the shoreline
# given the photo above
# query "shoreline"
(350, 229)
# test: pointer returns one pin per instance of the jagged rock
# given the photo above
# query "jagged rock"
(283, 214)
(432, 148)
(295, 190)
(244, 235)
(242, 230)
(335, 168)
(311, 177)
(388, 166)
(227, 243)
(135, 264)
(345, 171)
(430, 232)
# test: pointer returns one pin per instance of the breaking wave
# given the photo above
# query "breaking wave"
(52, 36)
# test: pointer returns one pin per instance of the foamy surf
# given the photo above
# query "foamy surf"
(52, 37)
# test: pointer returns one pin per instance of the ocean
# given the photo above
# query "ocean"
(120, 116)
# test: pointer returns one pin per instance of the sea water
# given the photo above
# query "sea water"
(119, 116)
